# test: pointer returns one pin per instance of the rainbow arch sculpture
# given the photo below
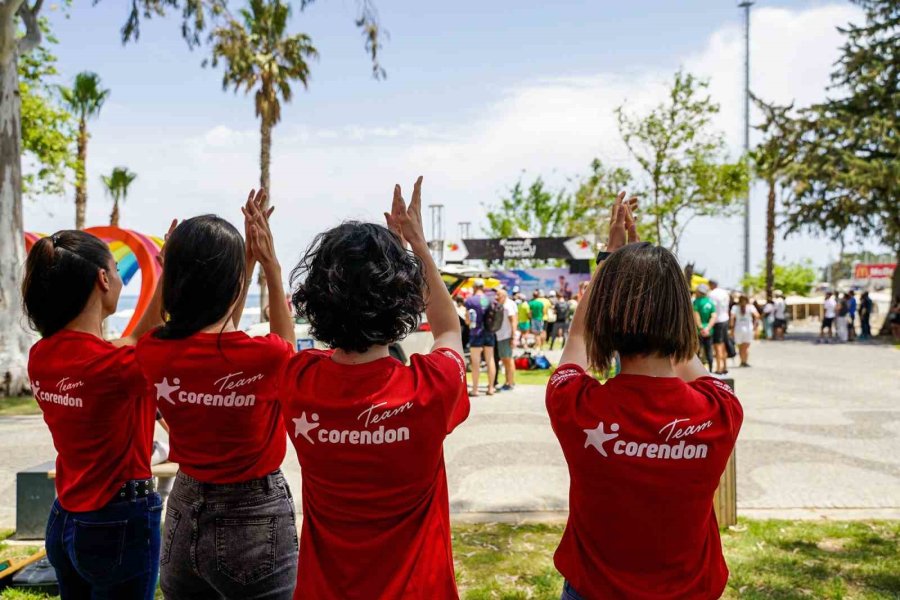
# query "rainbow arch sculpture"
(132, 251)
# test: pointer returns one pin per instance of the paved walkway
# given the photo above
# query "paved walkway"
(821, 437)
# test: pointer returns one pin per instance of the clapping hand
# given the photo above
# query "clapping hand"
(622, 226)
(260, 243)
(161, 257)
(407, 222)
(255, 200)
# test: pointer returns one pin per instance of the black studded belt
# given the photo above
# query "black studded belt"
(135, 489)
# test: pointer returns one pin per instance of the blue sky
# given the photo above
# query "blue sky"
(476, 93)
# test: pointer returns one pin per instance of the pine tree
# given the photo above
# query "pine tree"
(848, 170)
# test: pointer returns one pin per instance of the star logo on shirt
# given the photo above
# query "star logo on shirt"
(302, 426)
(598, 436)
(164, 390)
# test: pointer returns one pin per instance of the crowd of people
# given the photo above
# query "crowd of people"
(497, 322)
(368, 430)
(839, 313)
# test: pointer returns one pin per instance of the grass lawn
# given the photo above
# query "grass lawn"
(18, 405)
(768, 559)
(540, 377)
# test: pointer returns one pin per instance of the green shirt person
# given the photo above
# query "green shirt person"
(537, 309)
(705, 308)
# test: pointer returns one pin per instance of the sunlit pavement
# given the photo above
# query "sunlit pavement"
(821, 437)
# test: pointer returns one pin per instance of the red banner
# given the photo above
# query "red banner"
(874, 271)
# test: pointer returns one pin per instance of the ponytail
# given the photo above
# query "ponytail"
(60, 275)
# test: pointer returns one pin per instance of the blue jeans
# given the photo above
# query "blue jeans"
(110, 553)
(569, 593)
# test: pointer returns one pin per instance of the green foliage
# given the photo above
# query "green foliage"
(259, 55)
(594, 197)
(848, 172)
(683, 160)
(47, 127)
(117, 184)
(794, 278)
(534, 211)
(201, 18)
(86, 96)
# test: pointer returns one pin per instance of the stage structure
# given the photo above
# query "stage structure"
(132, 251)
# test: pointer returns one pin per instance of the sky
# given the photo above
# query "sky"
(477, 95)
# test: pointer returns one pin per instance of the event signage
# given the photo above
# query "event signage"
(581, 247)
(874, 271)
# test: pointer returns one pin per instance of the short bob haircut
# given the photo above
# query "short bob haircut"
(639, 305)
(60, 275)
(358, 287)
(204, 275)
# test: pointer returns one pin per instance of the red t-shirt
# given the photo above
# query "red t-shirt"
(218, 394)
(376, 517)
(645, 456)
(92, 397)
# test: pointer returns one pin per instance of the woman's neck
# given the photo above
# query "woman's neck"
(225, 325)
(90, 320)
(357, 358)
(650, 366)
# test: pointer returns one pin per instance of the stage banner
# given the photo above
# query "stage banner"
(874, 271)
(581, 247)
(559, 280)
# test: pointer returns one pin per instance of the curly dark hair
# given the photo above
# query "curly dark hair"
(358, 287)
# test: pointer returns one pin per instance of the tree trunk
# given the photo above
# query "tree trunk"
(114, 217)
(656, 215)
(895, 293)
(265, 157)
(770, 241)
(15, 339)
(81, 176)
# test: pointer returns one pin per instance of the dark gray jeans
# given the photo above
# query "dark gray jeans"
(236, 540)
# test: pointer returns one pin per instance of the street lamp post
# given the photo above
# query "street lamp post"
(746, 4)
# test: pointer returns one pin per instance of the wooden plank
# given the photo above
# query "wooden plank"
(725, 499)
(166, 469)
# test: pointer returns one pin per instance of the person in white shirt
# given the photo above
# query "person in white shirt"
(780, 313)
(744, 319)
(721, 298)
(829, 312)
(505, 338)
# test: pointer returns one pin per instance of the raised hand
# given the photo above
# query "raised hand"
(259, 234)
(622, 225)
(254, 199)
(408, 220)
(161, 257)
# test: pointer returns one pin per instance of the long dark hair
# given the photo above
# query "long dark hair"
(204, 275)
(639, 304)
(359, 287)
(60, 275)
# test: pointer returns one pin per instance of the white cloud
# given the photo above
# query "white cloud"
(552, 127)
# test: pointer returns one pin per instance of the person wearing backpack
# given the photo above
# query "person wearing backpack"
(480, 311)
(560, 328)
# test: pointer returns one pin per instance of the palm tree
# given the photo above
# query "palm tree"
(117, 184)
(772, 161)
(85, 99)
(260, 56)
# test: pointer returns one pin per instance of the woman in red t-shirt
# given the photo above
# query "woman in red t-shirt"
(230, 527)
(103, 532)
(369, 430)
(646, 449)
